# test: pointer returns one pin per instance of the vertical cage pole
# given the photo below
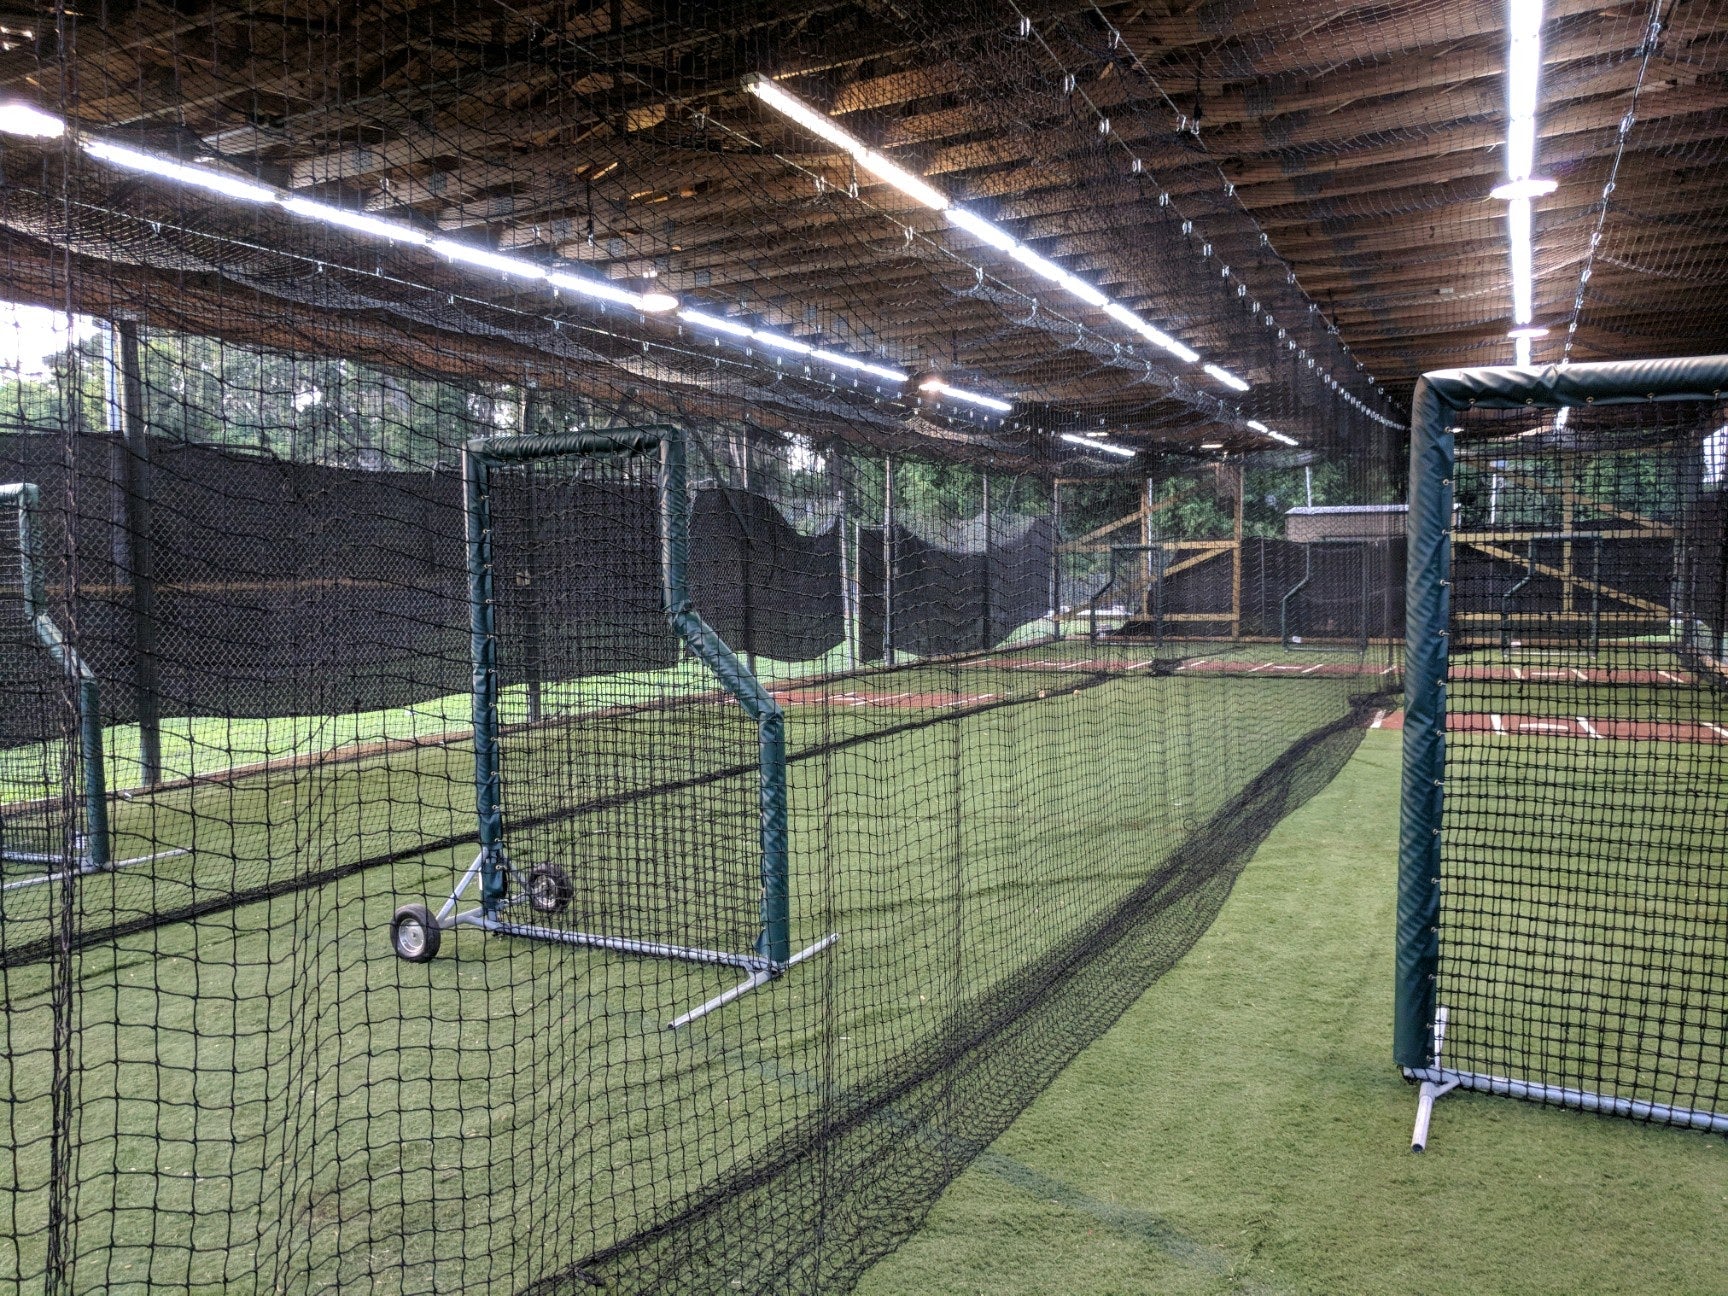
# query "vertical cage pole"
(888, 560)
(483, 646)
(137, 481)
(1427, 616)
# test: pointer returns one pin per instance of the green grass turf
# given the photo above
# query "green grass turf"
(1242, 1129)
(267, 1091)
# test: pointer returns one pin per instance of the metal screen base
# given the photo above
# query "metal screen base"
(79, 865)
(1439, 1080)
(761, 970)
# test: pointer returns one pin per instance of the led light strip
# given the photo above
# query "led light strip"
(1265, 431)
(26, 120)
(1523, 82)
(986, 232)
(1122, 451)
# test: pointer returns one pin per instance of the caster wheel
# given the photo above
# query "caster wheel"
(548, 889)
(414, 934)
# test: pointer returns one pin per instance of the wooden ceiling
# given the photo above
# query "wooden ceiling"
(1296, 189)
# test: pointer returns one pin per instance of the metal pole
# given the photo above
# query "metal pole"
(986, 640)
(1596, 597)
(1056, 558)
(138, 486)
(888, 560)
(483, 645)
(1236, 556)
(96, 837)
(848, 645)
(533, 631)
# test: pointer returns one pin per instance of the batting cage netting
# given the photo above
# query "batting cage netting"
(1567, 741)
(593, 701)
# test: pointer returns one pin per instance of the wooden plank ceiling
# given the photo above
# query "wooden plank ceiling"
(1274, 183)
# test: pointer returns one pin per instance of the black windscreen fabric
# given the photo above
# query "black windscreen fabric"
(576, 576)
(763, 585)
(949, 600)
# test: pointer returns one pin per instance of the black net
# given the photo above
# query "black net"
(1029, 590)
(1587, 753)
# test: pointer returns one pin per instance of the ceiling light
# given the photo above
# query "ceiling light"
(19, 118)
(1229, 379)
(1057, 275)
(1122, 451)
(1211, 445)
(1523, 78)
(1523, 287)
(354, 220)
(718, 323)
(940, 388)
(1156, 336)
(995, 236)
(862, 366)
(780, 342)
(1528, 187)
(827, 128)
(981, 229)
(1521, 352)
(605, 290)
(468, 254)
(1529, 331)
(1279, 436)
(218, 182)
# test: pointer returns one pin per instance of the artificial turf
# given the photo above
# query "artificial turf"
(266, 1097)
(1242, 1129)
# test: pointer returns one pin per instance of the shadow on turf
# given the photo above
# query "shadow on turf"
(855, 1184)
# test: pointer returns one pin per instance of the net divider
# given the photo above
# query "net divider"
(92, 849)
(1418, 1029)
(415, 931)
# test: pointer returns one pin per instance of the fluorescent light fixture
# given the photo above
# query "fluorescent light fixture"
(1229, 379)
(1528, 187)
(1263, 430)
(1048, 269)
(819, 124)
(217, 182)
(650, 302)
(862, 366)
(1523, 86)
(19, 118)
(1156, 336)
(468, 254)
(780, 342)
(1211, 445)
(982, 230)
(354, 220)
(1528, 331)
(1521, 352)
(901, 179)
(1523, 79)
(941, 388)
(825, 127)
(718, 323)
(1518, 232)
(1090, 444)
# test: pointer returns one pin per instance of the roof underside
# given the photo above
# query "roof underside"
(1297, 190)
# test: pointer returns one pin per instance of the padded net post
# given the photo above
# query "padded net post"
(1566, 740)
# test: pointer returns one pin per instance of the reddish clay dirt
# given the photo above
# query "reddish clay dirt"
(1503, 672)
(895, 701)
(1311, 670)
(1578, 727)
